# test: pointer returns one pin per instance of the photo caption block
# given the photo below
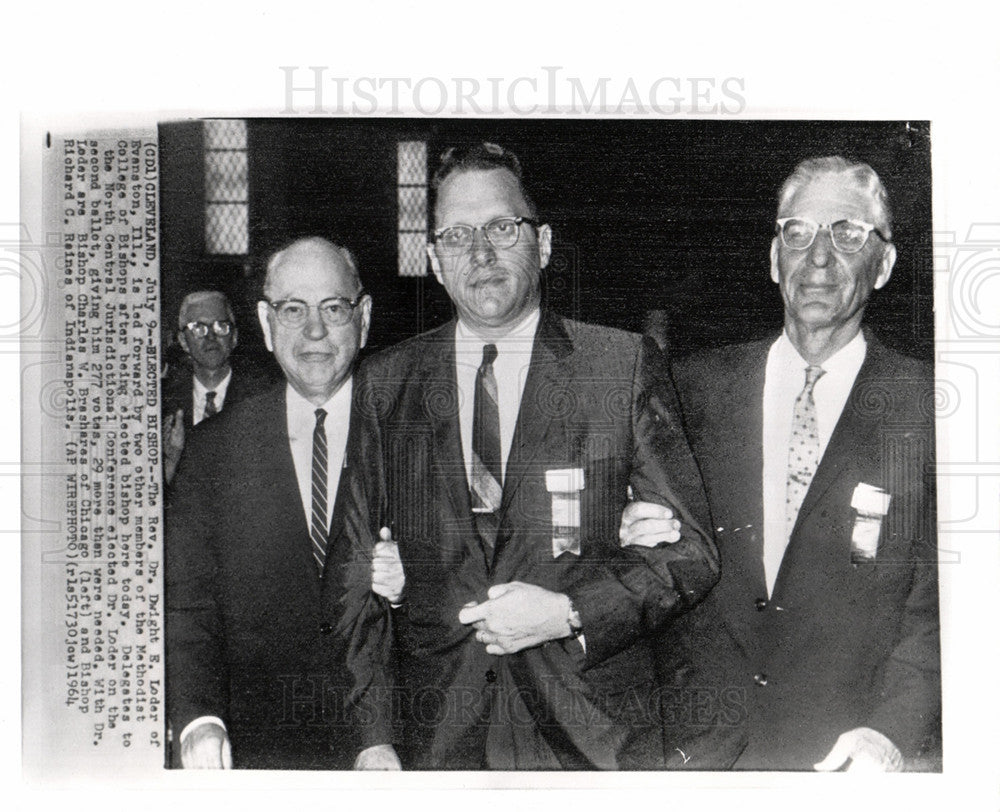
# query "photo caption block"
(101, 554)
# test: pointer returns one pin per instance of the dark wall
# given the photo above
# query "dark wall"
(667, 216)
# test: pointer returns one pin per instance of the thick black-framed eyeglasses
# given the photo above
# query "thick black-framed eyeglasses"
(335, 311)
(199, 329)
(849, 236)
(503, 232)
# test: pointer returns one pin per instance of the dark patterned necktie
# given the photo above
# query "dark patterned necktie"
(486, 490)
(318, 524)
(210, 407)
(803, 447)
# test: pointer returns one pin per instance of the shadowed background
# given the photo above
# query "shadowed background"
(658, 225)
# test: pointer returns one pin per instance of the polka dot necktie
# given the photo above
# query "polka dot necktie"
(803, 447)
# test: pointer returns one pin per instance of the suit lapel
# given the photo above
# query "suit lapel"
(852, 437)
(548, 375)
(275, 479)
(736, 454)
(852, 452)
(439, 389)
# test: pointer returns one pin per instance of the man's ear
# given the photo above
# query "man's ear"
(435, 264)
(235, 333)
(366, 319)
(544, 245)
(264, 317)
(886, 266)
(775, 273)
(183, 341)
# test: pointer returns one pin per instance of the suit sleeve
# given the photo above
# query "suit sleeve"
(637, 590)
(197, 680)
(366, 619)
(909, 702)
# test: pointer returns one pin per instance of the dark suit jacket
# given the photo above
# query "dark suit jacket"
(596, 399)
(249, 621)
(178, 388)
(771, 684)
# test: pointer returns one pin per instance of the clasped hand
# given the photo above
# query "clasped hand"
(517, 616)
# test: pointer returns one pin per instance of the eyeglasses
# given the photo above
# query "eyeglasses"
(500, 233)
(199, 329)
(335, 312)
(849, 236)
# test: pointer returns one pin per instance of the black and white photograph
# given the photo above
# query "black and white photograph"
(511, 429)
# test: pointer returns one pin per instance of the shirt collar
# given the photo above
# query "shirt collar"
(846, 360)
(200, 389)
(302, 413)
(522, 333)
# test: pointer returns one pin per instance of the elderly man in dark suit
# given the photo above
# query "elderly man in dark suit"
(819, 647)
(200, 388)
(255, 676)
(498, 452)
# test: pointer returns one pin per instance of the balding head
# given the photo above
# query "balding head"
(316, 350)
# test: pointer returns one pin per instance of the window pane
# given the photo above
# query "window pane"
(226, 228)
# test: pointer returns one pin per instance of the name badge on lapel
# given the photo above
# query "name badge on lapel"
(565, 484)
(871, 504)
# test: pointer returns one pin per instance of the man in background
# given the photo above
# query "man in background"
(198, 390)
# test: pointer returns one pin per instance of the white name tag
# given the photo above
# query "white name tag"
(565, 485)
(871, 504)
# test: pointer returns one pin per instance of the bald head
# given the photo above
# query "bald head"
(316, 350)
(313, 250)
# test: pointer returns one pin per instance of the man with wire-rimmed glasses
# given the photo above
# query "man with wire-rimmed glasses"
(254, 669)
(200, 388)
(496, 456)
(819, 647)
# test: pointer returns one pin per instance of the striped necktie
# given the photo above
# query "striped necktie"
(319, 526)
(486, 489)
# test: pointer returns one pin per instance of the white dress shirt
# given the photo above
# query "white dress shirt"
(300, 419)
(784, 379)
(300, 415)
(510, 370)
(198, 399)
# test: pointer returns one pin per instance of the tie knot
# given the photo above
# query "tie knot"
(320, 417)
(813, 374)
(489, 354)
(210, 397)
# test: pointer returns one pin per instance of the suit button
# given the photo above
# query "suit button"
(761, 604)
(491, 676)
(760, 679)
(325, 628)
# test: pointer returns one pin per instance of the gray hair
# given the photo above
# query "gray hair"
(199, 296)
(862, 174)
(319, 245)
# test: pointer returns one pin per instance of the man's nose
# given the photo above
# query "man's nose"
(483, 252)
(819, 251)
(315, 328)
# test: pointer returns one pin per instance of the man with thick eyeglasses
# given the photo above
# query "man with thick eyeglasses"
(496, 457)
(819, 647)
(255, 673)
(208, 335)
